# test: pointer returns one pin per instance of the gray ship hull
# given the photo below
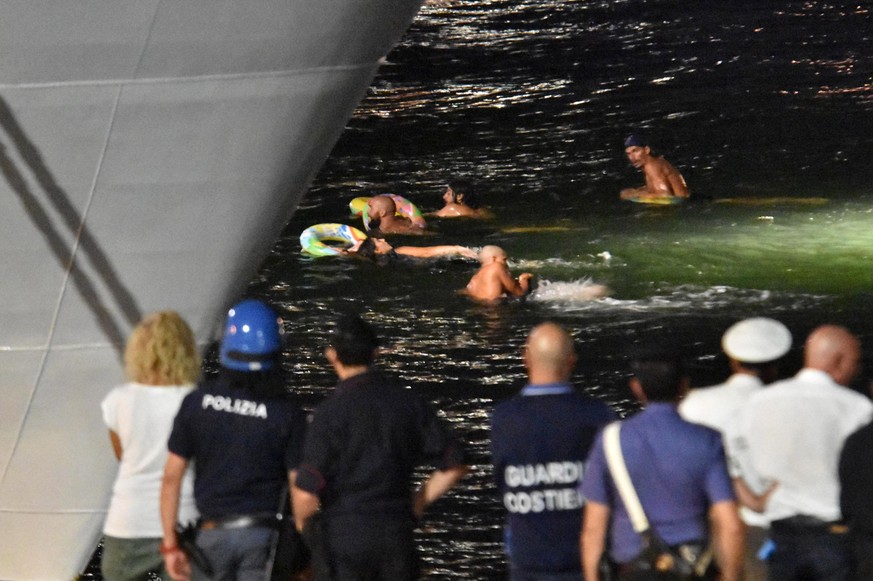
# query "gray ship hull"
(150, 153)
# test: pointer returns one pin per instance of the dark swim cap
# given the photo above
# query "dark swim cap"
(634, 140)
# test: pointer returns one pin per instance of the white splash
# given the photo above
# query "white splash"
(583, 290)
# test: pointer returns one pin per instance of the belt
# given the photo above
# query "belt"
(805, 524)
(243, 521)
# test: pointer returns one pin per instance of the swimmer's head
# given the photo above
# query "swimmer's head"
(491, 253)
(635, 140)
(372, 246)
(379, 206)
(461, 191)
(637, 150)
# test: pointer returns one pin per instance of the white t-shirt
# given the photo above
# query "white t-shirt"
(792, 433)
(142, 416)
(717, 407)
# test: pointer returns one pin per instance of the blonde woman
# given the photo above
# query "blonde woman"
(162, 364)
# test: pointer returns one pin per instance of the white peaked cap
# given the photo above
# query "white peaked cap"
(756, 340)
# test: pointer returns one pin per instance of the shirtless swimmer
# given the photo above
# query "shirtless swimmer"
(662, 179)
(493, 280)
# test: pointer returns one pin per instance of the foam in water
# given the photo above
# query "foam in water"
(583, 290)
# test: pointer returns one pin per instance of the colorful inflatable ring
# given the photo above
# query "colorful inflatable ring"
(313, 239)
(657, 200)
(405, 208)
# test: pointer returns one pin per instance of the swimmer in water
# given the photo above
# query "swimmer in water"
(662, 179)
(493, 280)
(461, 202)
(375, 246)
(382, 211)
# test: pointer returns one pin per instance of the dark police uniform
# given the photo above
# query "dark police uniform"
(539, 442)
(362, 446)
(856, 502)
(242, 446)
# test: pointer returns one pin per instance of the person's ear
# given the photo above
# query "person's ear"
(684, 387)
(637, 389)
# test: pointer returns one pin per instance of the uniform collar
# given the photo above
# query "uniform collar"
(547, 389)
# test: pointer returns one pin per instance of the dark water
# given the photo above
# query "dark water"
(531, 99)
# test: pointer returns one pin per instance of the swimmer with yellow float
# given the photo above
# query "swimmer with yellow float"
(664, 183)
(389, 214)
(344, 240)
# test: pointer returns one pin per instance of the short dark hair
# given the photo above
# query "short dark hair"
(367, 248)
(354, 340)
(660, 373)
(462, 187)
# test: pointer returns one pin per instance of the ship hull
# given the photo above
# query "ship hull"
(150, 154)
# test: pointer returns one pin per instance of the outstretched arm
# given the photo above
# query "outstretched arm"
(434, 251)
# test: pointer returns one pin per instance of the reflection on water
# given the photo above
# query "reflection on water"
(532, 99)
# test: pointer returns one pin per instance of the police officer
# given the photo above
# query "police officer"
(364, 442)
(244, 435)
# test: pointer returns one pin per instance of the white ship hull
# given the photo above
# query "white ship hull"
(150, 153)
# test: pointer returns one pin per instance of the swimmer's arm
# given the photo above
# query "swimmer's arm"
(446, 211)
(433, 251)
(677, 184)
(516, 288)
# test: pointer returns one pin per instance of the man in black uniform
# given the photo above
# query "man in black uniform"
(362, 446)
(856, 502)
(244, 435)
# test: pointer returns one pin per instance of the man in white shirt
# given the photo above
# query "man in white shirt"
(754, 347)
(791, 434)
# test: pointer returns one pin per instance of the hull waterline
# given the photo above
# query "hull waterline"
(150, 153)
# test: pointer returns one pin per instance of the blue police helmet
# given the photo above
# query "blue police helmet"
(252, 337)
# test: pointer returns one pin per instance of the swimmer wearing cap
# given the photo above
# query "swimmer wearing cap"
(662, 179)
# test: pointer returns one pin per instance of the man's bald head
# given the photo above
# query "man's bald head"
(549, 354)
(491, 252)
(834, 350)
(380, 206)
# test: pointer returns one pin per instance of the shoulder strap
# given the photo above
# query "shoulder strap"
(618, 469)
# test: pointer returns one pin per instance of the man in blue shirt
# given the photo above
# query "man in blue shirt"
(678, 470)
(539, 441)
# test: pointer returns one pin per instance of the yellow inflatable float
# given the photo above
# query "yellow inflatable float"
(405, 208)
(314, 240)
